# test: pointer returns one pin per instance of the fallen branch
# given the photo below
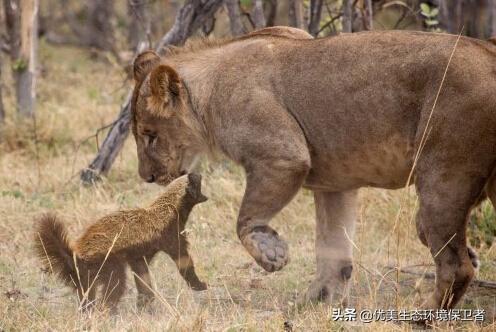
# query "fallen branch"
(431, 275)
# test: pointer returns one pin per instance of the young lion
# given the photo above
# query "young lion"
(99, 257)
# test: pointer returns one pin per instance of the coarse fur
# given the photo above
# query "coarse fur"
(98, 258)
(331, 115)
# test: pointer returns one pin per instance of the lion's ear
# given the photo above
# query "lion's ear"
(143, 64)
(165, 86)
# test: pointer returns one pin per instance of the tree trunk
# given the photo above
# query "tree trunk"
(234, 12)
(2, 109)
(347, 16)
(96, 31)
(492, 4)
(13, 22)
(192, 15)
(368, 16)
(22, 27)
(451, 15)
(26, 79)
(296, 14)
(258, 15)
(315, 14)
(100, 33)
(140, 23)
(272, 13)
(190, 18)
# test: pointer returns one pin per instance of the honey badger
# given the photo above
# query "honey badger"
(98, 258)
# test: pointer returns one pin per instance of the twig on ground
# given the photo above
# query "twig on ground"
(432, 275)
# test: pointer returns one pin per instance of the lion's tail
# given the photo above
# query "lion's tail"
(52, 247)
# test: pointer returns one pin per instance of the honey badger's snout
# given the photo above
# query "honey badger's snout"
(194, 188)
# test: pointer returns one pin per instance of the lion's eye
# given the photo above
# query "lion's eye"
(150, 138)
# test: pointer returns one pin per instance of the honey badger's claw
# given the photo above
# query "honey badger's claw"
(268, 249)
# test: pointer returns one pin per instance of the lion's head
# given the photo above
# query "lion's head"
(162, 122)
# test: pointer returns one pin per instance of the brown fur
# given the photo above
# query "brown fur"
(334, 115)
(98, 257)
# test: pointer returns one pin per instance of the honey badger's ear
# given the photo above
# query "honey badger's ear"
(165, 86)
(143, 64)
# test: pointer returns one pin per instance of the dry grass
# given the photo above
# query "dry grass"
(78, 95)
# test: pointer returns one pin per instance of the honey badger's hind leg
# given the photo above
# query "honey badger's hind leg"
(112, 280)
(139, 267)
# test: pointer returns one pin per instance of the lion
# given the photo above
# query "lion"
(332, 115)
(98, 258)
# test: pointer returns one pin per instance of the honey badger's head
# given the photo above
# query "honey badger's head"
(193, 189)
(188, 187)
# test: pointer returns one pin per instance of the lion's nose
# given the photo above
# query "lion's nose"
(150, 179)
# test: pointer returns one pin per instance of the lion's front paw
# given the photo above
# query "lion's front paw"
(268, 249)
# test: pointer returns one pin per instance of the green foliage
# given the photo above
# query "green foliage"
(20, 65)
(13, 193)
(482, 227)
(245, 3)
(430, 15)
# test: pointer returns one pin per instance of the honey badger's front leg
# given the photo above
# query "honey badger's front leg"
(269, 187)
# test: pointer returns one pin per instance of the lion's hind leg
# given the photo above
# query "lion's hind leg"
(443, 212)
(336, 216)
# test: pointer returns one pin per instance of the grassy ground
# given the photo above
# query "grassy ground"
(78, 94)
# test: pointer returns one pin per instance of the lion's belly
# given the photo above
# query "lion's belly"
(384, 165)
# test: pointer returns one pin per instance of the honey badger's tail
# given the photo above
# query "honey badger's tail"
(52, 247)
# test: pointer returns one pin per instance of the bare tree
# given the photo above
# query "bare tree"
(492, 5)
(295, 13)
(315, 14)
(347, 18)
(451, 15)
(22, 27)
(258, 15)
(271, 13)
(235, 21)
(140, 23)
(96, 31)
(191, 16)
(100, 32)
(368, 16)
(2, 109)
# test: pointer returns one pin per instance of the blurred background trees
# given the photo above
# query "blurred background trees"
(115, 31)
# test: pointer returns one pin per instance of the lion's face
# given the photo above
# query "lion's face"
(160, 124)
